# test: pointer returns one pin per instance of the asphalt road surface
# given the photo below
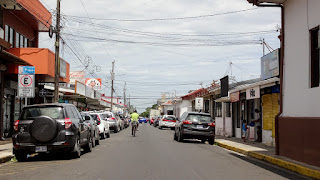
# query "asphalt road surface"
(151, 155)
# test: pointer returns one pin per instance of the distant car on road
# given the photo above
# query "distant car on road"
(194, 125)
(46, 128)
(142, 119)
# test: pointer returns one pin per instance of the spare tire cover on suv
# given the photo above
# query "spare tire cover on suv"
(44, 128)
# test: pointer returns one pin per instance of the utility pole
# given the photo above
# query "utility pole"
(112, 78)
(57, 59)
(263, 46)
(124, 97)
(129, 104)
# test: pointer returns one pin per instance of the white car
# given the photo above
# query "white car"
(102, 124)
(167, 121)
(113, 121)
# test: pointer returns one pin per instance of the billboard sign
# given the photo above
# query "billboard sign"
(27, 70)
(224, 86)
(63, 68)
(199, 103)
(94, 83)
(270, 65)
(80, 88)
(77, 76)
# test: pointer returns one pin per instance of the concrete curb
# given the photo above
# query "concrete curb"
(6, 159)
(281, 163)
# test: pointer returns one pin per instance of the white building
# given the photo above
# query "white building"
(297, 128)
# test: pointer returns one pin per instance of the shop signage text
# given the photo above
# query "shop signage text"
(253, 93)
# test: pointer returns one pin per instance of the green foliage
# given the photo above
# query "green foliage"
(146, 113)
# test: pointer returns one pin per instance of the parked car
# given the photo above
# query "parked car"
(118, 117)
(156, 121)
(152, 120)
(93, 124)
(142, 120)
(114, 123)
(167, 121)
(102, 124)
(194, 125)
(46, 128)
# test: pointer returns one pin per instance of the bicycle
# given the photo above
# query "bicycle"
(134, 128)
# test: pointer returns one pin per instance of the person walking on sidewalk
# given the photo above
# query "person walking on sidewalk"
(244, 130)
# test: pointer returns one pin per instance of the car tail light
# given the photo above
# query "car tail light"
(173, 121)
(164, 120)
(67, 123)
(187, 122)
(98, 119)
(212, 124)
(15, 125)
(113, 118)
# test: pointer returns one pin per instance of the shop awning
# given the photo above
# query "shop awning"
(8, 58)
(261, 84)
(223, 99)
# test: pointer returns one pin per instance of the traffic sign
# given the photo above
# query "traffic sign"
(27, 70)
(26, 85)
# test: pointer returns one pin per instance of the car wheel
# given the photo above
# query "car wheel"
(20, 155)
(116, 130)
(203, 141)
(180, 138)
(94, 141)
(88, 147)
(77, 148)
(160, 127)
(175, 136)
(211, 141)
(103, 135)
(108, 135)
(97, 141)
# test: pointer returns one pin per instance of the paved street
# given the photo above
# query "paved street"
(152, 155)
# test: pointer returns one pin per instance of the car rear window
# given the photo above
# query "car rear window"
(199, 118)
(170, 118)
(94, 116)
(107, 115)
(33, 112)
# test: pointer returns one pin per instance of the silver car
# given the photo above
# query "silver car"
(113, 121)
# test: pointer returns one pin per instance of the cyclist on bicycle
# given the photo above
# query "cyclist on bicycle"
(134, 116)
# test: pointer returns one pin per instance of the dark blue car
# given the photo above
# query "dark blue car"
(142, 119)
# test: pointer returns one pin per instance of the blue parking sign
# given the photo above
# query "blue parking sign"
(27, 70)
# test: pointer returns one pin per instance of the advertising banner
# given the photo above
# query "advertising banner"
(77, 76)
(235, 97)
(270, 65)
(94, 83)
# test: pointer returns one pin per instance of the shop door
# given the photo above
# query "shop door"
(235, 117)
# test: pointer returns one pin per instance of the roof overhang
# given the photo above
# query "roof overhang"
(8, 58)
(223, 99)
(10, 4)
(257, 2)
(262, 84)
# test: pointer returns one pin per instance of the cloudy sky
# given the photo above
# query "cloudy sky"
(164, 46)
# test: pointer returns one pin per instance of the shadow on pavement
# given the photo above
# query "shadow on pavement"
(277, 170)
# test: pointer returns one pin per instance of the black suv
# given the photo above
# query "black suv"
(47, 128)
(194, 125)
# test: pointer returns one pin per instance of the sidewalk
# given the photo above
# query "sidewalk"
(267, 153)
(5, 151)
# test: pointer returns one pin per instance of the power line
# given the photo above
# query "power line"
(167, 19)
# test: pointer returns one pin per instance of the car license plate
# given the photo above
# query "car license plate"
(199, 126)
(41, 148)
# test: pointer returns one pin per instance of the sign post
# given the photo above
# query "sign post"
(26, 85)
